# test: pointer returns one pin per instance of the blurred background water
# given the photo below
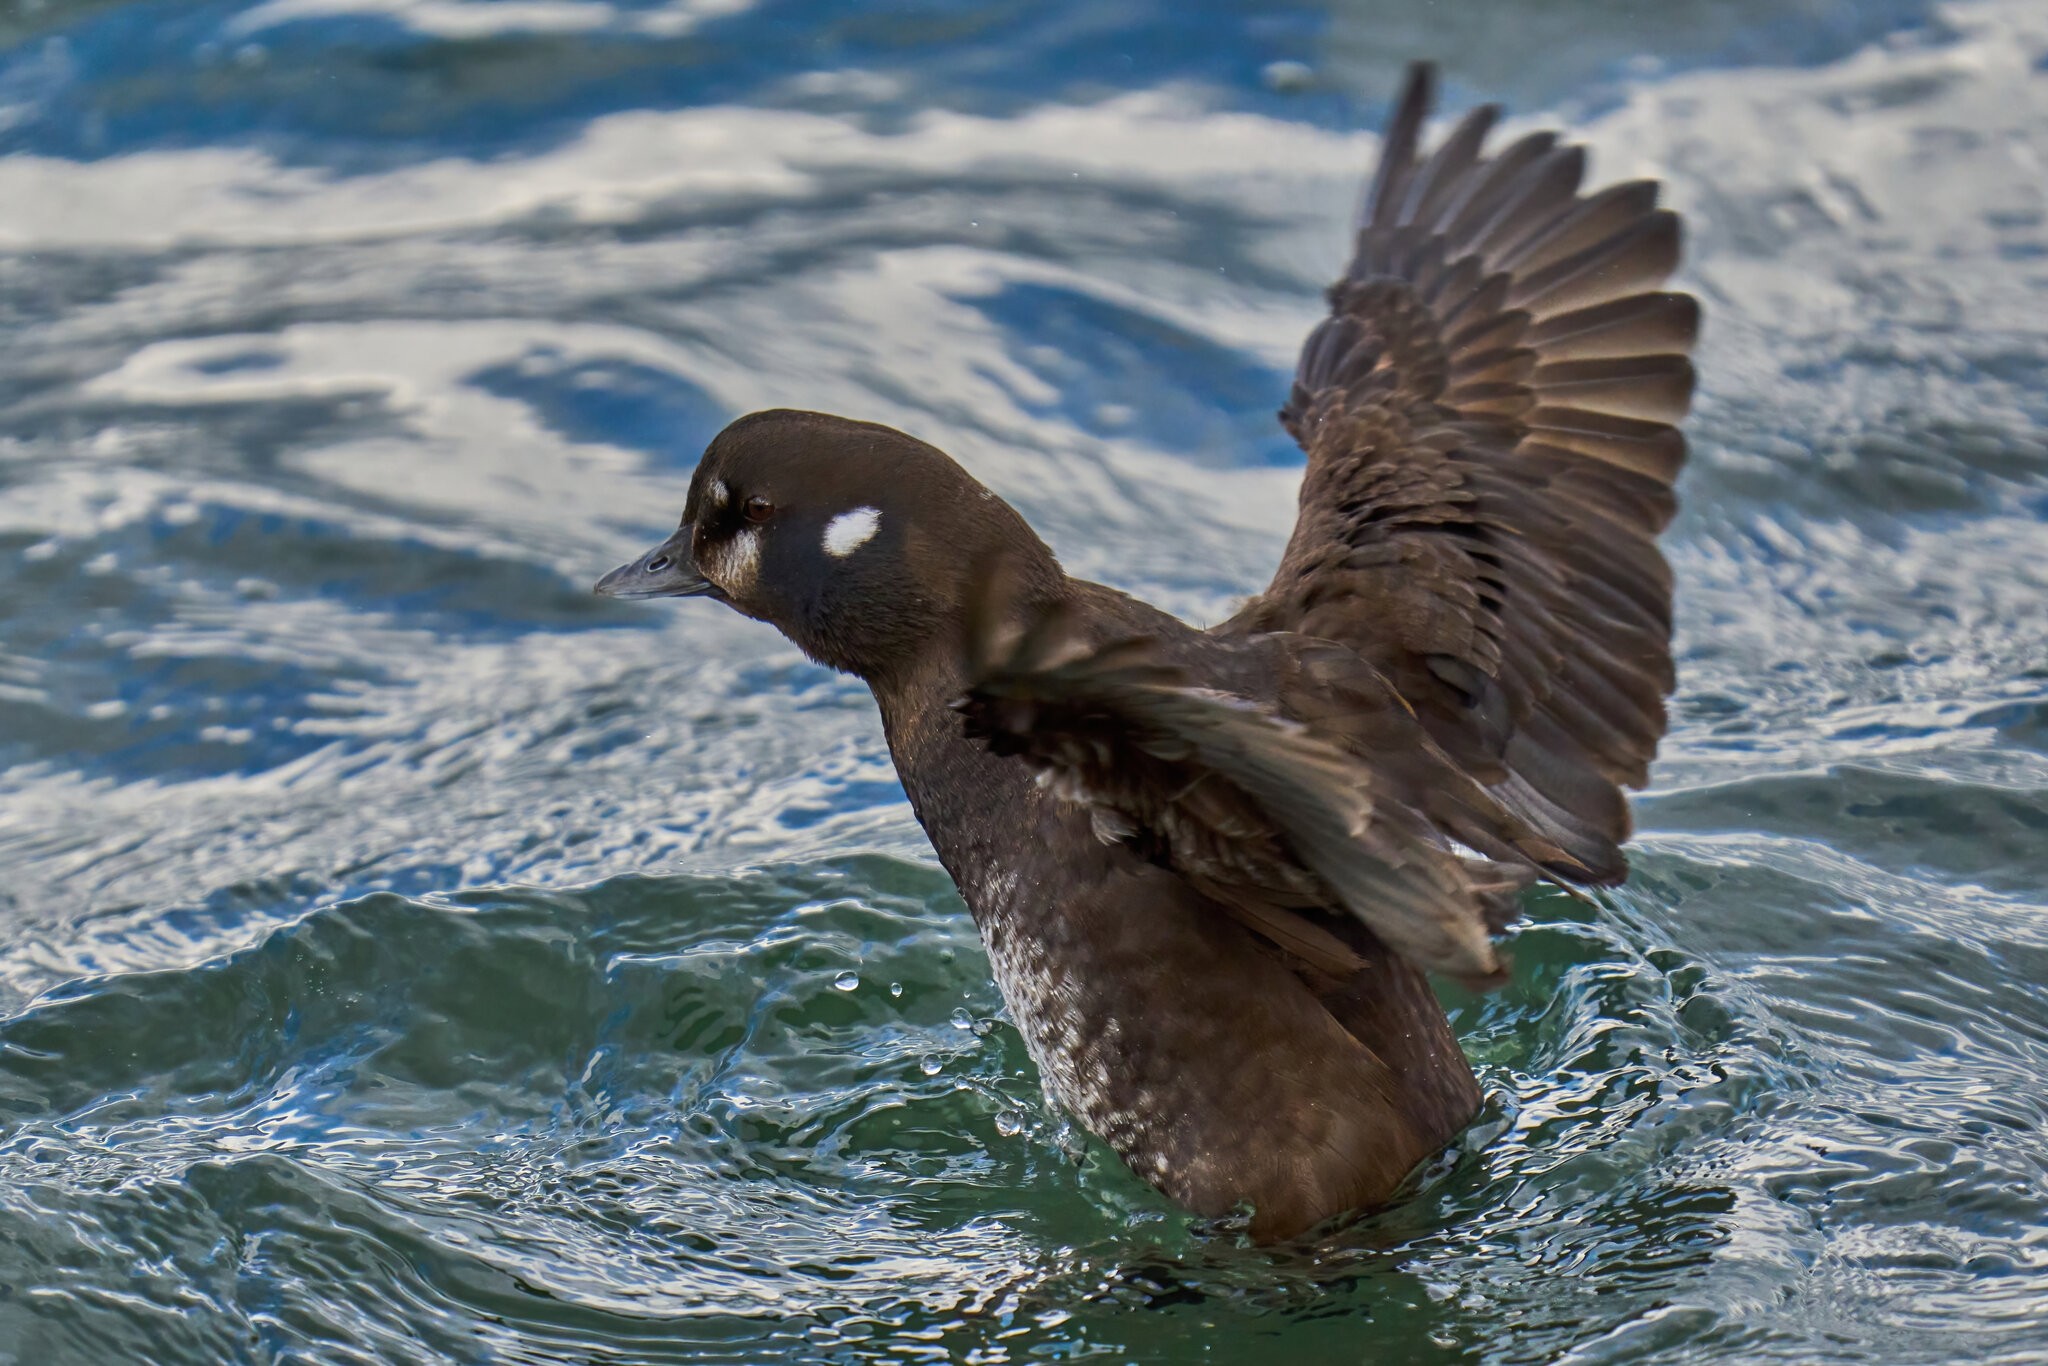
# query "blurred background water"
(405, 956)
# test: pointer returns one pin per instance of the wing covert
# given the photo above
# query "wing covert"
(1324, 795)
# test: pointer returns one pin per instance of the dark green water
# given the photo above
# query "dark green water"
(405, 956)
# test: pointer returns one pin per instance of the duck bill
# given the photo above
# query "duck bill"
(667, 571)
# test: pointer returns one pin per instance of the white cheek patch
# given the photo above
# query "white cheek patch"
(716, 493)
(849, 531)
(735, 565)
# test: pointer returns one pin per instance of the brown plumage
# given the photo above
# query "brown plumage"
(1211, 867)
(1289, 782)
(1468, 635)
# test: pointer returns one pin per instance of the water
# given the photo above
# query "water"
(405, 956)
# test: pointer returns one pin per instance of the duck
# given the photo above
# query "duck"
(1215, 868)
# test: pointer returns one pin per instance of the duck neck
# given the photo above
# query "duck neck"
(955, 785)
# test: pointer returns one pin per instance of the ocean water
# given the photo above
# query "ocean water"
(408, 957)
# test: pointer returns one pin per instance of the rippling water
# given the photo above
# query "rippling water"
(407, 956)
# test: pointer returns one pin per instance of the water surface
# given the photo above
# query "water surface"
(405, 956)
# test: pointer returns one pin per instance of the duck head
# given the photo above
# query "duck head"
(859, 543)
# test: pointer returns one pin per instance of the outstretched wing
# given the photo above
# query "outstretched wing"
(1272, 815)
(1489, 418)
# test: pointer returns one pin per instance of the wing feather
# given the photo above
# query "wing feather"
(1490, 418)
(1467, 643)
(1271, 805)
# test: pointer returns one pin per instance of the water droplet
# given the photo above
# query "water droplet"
(982, 1028)
(1009, 1123)
(931, 1065)
(895, 988)
(846, 981)
(961, 1019)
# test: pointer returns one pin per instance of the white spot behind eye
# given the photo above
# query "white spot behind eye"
(849, 531)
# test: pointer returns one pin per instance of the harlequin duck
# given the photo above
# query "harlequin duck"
(1212, 866)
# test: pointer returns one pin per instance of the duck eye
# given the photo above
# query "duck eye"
(759, 509)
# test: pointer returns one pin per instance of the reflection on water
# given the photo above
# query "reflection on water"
(407, 956)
